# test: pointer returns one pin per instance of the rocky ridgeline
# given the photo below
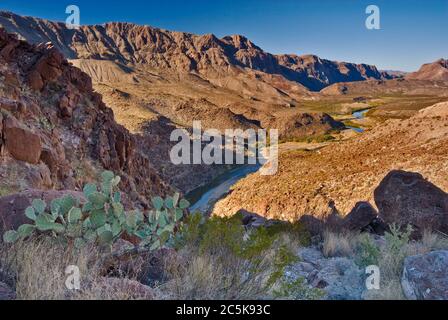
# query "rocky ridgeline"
(226, 83)
(55, 131)
(180, 51)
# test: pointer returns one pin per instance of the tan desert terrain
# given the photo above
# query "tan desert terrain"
(346, 172)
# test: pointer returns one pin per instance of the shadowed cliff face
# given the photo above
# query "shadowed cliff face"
(184, 52)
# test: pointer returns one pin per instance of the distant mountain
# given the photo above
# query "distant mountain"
(437, 70)
(206, 55)
(395, 73)
(316, 73)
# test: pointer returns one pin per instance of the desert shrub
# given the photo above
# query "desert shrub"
(224, 261)
(7, 190)
(397, 239)
(45, 124)
(321, 138)
(395, 250)
(190, 231)
(368, 252)
(283, 258)
(222, 234)
(390, 262)
(296, 232)
(297, 290)
(102, 220)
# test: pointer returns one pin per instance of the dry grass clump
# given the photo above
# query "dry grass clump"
(339, 244)
(36, 270)
(220, 277)
(431, 241)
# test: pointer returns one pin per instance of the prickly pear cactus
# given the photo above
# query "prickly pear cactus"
(102, 219)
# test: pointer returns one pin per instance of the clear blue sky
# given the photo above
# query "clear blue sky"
(412, 32)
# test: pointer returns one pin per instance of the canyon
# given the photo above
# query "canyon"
(156, 81)
(363, 155)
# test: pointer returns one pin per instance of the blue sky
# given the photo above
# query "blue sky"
(412, 32)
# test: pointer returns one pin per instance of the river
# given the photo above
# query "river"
(205, 197)
(359, 115)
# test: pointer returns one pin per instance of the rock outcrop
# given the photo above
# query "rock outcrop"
(339, 278)
(316, 73)
(227, 83)
(304, 125)
(425, 277)
(55, 131)
(407, 198)
(402, 86)
(20, 142)
(362, 215)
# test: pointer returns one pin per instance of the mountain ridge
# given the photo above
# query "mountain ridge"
(207, 54)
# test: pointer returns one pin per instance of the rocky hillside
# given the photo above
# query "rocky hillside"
(437, 70)
(206, 55)
(55, 131)
(343, 174)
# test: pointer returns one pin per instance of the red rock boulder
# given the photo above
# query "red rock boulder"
(21, 143)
